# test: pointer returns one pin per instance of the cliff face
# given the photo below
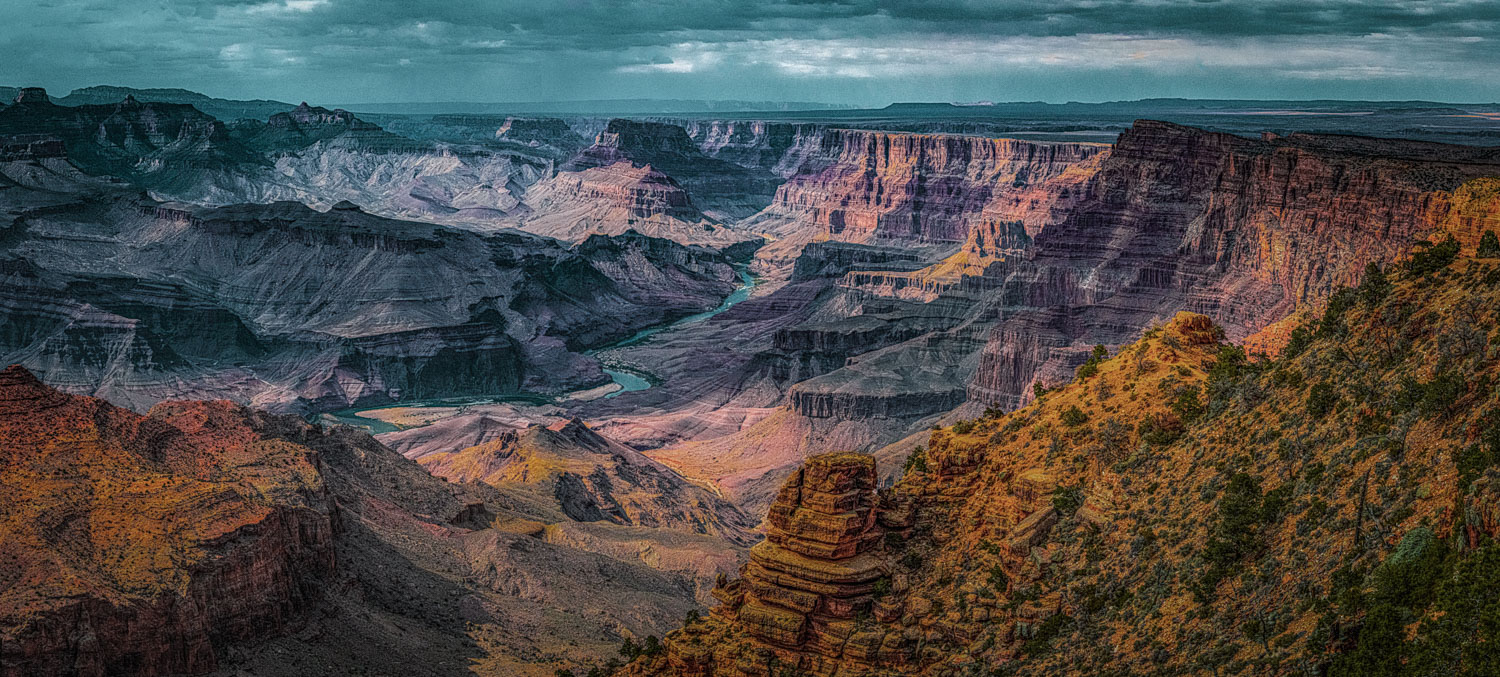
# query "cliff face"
(861, 185)
(1317, 513)
(324, 309)
(723, 189)
(814, 573)
(305, 125)
(155, 143)
(208, 537)
(153, 544)
(1242, 230)
(620, 198)
(308, 154)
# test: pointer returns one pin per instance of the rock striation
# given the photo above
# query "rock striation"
(723, 189)
(138, 547)
(324, 309)
(303, 126)
(205, 537)
(159, 144)
(813, 575)
(1243, 230)
(861, 186)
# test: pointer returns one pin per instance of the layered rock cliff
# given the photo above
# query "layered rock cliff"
(861, 185)
(206, 537)
(814, 573)
(1311, 514)
(136, 546)
(1243, 230)
(159, 144)
(133, 300)
(723, 189)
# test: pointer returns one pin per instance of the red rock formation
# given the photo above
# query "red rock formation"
(815, 572)
(863, 185)
(141, 545)
(1243, 230)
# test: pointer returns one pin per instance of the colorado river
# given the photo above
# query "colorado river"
(628, 379)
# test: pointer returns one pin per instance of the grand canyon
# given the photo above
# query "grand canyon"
(743, 387)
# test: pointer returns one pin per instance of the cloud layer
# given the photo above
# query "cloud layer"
(866, 52)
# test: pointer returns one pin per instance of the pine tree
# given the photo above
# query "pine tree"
(1489, 246)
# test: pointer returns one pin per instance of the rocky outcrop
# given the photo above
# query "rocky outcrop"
(777, 147)
(554, 133)
(308, 154)
(722, 189)
(305, 125)
(620, 198)
(815, 572)
(31, 147)
(223, 109)
(589, 478)
(30, 95)
(159, 144)
(835, 259)
(159, 547)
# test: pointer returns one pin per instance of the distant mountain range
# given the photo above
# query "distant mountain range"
(235, 109)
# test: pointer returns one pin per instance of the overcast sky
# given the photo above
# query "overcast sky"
(867, 52)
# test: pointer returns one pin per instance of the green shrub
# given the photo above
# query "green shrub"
(1489, 246)
(1067, 500)
(1339, 303)
(1186, 405)
(1158, 432)
(1374, 287)
(1234, 535)
(917, 461)
(1074, 416)
(998, 580)
(1091, 367)
(1433, 258)
(1050, 629)
(1301, 338)
(1321, 400)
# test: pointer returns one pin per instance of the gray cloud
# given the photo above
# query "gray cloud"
(861, 51)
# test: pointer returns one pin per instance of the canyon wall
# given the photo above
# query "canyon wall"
(862, 185)
(1170, 218)
(153, 551)
(131, 299)
(1242, 230)
(207, 537)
